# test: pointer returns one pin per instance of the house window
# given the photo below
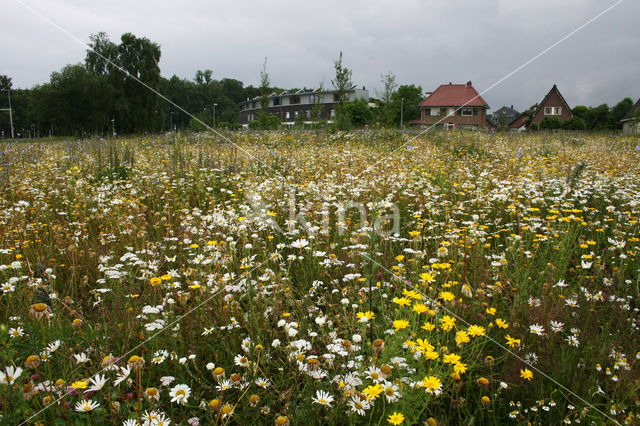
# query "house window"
(294, 100)
(332, 113)
(443, 111)
(557, 111)
(467, 111)
(276, 101)
(308, 113)
(287, 115)
(552, 110)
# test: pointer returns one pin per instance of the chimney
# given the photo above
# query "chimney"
(469, 83)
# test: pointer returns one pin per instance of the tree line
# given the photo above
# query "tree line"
(119, 90)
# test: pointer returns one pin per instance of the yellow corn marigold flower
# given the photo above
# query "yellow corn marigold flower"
(476, 330)
(80, 384)
(512, 342)
(432, 384)
(485, 400)
(412, 294)
(427, 278)
(526, 374)
(447, 323)
(420, 308)
(491, 311)
(400, 258)
(451, 359)
(460, 368)
(155, 281)
(424, 346)
(402, 301)
(401, 324)
(395, 418)
(373, 392)
(428, 326)
(462, 337)
(365, 316)
(447, 296)
(501, 323)
(431, 355)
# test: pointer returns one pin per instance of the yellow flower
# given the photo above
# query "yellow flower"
(431, 355)
(420, 308)
(451, 359)
(427, 278)
(156, 281)
(460, 368)
(501, 323)
(432, 384)
(447, 323)
(80, 384)
(373, 392)
(462, 337)
(424, 346)
(412, 294)
(526, 374)
(400, 324)
(511, 341)
(400, 258)
(491, 311)
(447, 296)
(402, 301)
(428, 326)
(365, 316)
(476, 330)
(395, 418)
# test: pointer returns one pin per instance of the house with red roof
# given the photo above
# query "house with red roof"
(454, 106)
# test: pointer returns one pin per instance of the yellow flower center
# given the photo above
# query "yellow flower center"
(40, 307)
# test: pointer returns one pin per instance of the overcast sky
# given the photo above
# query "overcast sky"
(427, 43)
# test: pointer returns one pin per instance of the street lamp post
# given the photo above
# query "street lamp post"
(401, 113)
(10, 113)
(214, 115)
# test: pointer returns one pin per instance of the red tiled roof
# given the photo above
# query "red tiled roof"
(454, 95)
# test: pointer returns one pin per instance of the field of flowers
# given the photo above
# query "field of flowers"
(320, 279)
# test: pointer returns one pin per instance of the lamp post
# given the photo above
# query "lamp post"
(401, 113)
(214, 115)
(171, 122)
(10, 113)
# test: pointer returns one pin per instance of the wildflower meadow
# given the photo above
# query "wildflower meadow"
(320, 278)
